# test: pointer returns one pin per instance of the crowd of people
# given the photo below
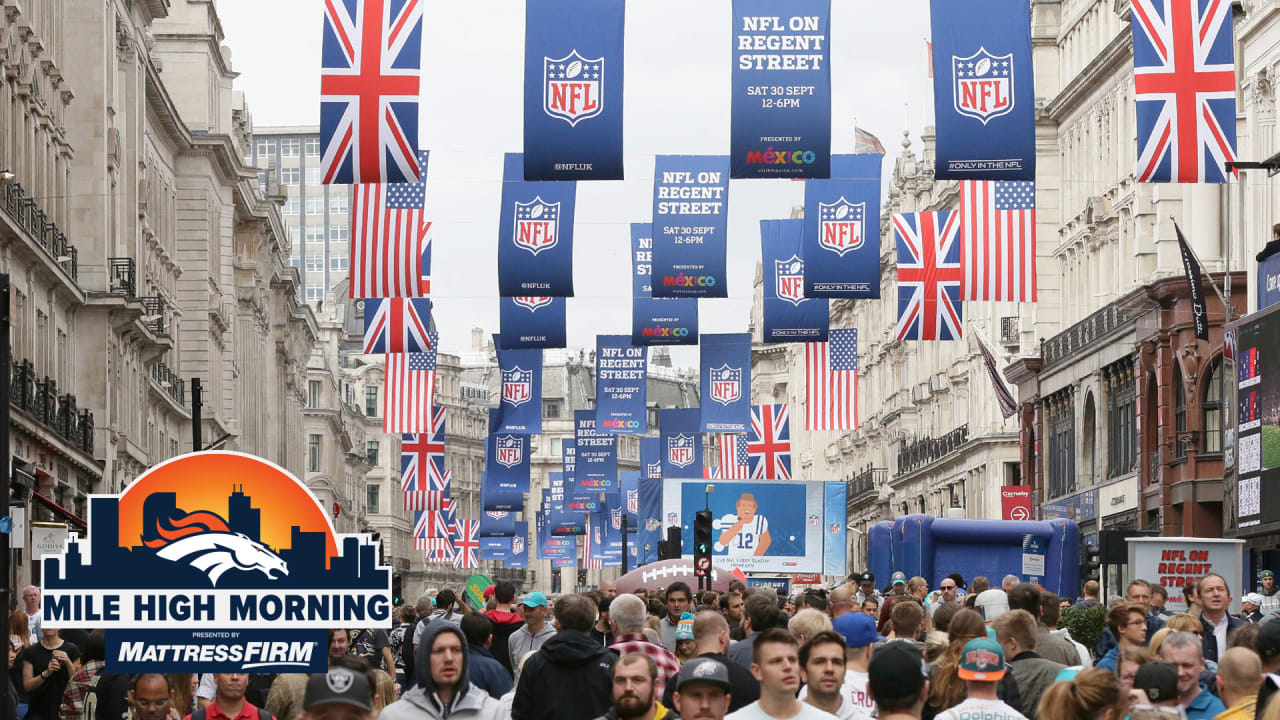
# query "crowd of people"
(852, 652)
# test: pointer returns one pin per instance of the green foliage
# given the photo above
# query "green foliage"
(1085, 626)
(1270, 447)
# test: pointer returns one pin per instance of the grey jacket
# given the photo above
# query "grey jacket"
(422, 703)
(1052, 647)
(1034, 675)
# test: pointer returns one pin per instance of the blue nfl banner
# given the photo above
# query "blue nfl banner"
(656, 321)
(690, 226)
(495, 523)
(788, 315)
(520, 403)
(519, 546)
(569, 458)
(506, 456)
(726, 383)
(597, 456)
(834, 529)
(984, 90)
(841, 247)
(573, 89)
(629, 480)
(781, 106)
(680, 441)
(495, 548)
(650, 458)
(532, 322)
(621, 372)
(535, 234)
(650, 526)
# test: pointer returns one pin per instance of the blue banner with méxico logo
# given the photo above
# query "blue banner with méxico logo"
(650, 519)
(984, 90)
(690, 226)
(520, 400)
(651, 458)
(532, 322)
(597, 456)
(620, 385)
(506, 456)
(781, 106)
(680, 442)
(569, 458)
(726, 383)
(841, 247)
(656, 321)
(573, 89)
(788, 315)
(559, 520)
(535, 234)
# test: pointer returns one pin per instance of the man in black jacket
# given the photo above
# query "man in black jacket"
(571, 676)
(711, 636)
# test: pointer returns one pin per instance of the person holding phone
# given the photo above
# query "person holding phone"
(47, 666)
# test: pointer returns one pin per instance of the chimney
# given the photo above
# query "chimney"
(477, 339)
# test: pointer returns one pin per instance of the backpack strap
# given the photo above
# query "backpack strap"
(198, 714)
(262, 715)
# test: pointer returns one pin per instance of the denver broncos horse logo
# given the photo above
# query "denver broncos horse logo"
(203, 540)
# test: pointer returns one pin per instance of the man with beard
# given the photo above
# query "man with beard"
(1270, 592)
(775, 662)
(822, 669)
(634, 690)
(443, 688)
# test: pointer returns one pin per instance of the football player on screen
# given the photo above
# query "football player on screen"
(745, 534)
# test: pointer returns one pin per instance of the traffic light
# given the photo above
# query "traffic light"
(702, 544)
(397, 590)
(1092, 567)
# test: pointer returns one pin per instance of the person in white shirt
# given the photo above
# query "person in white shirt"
(775, 662)
(858, 630)
(31, 599)
(745, 534)
(981, 667)
(822, 667)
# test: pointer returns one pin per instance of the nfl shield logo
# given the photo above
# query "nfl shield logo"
(813, 521)
(633, 501)
(655, 470)
(510, 450)
(517, 386)
(517, 545)
(615, 517)
(652, 524)
(726, 385)
(537, 225)
(532, 303)
(672, 518)
(983, 84)
(835, 528)
(840, 226)
(571, 87)
(680, 450)
(789, 279)
(497, 514)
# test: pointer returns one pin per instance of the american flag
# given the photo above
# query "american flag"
(733, 456)
(370, 56)
(397, 325)
(831, 382)
(466, 545)
(440, 549)
(425, 529)
(1185, 84)
(409, 387)
(390, 239)
(998, 228)
(929, 276)
(769, 442)
(590, 539)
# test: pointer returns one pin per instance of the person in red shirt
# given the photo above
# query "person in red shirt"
(228, 701)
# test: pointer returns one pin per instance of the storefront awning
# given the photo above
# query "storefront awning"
(57, 509)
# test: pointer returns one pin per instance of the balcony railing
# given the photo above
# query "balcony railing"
(867, 481)
(122, 274)
(39, 397)
(26, 214)
(170, 382)
(925, 450)
(155, 319)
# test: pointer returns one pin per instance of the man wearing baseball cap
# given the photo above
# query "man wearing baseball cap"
(898, 681)
(867, 589)
(1270, 592)
(340, 694)
(702, 689)
(535, 631)
(859, 633)
(1158, 682)
(442, 686)
(1249, 604)
(981, 667)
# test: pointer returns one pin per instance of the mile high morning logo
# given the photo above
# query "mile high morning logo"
(215, 562)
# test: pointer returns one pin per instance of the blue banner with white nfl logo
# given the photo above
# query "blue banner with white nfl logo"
(629, 481)
(726, 383)
(781, 106)
(494, 523)
(597, 456)
(519, 546)
(535, 234)
(690, 226)
(559, 520)
(507, 453)
(656, 321)
(984, 90)
(621, 374)
(650, 458)
(680, 441)
(532, 322)
(788, 315)
(520, 400)
(650, 519)
(495, 548)
(834, 530)
(573, 89)
(841, 247)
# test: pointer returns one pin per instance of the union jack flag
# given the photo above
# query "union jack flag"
(390, 240)
(426, 527)
(466, 544)
(397, 325)
(929, 276)
(1185, 80)
(369, 60)
(409, 388)
(769, 442)
(733, 456)
(422, 459)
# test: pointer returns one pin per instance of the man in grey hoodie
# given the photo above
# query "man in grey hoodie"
(442, 688)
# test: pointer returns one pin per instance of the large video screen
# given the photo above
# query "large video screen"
(1258, 418)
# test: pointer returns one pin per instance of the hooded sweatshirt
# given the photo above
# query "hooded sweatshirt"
(569, 659)
(424, 703)
(504, 623)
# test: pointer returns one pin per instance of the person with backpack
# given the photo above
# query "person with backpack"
(505, 621)
(422, 611)
(397, 639)
(374, 647)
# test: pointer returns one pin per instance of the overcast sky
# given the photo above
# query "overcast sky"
(677, 102)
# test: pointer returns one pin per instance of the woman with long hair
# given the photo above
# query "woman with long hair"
(19, 639)
(947, 689)
(1095, 694)
(184, 693)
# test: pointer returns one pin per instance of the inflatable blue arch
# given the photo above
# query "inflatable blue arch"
(936, 547)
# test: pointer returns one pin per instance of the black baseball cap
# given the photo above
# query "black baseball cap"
(867, 577)
(897, 670)
(1268, 642)
(1158, 680)
(704, 669)
(338, 686)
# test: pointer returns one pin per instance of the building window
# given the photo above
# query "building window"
(371, 451)
(289, 147)
(295, 261)
(313, 146)
(315, 205)
(313, 175)
(1212, 409)
(337, 200)
(338, 262)
(1122, 426)
(550, 409)
(291, 206)
(1060, 419)
(371, 401)
(315, 236)
(314, 292)
(371, 495)
(313, 453)
(313, 393)
(266, 149)
(1179, 413)
(315, 263)
(290, 175)
(339, 234)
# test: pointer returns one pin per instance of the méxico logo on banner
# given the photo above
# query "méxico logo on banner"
(656, 321)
